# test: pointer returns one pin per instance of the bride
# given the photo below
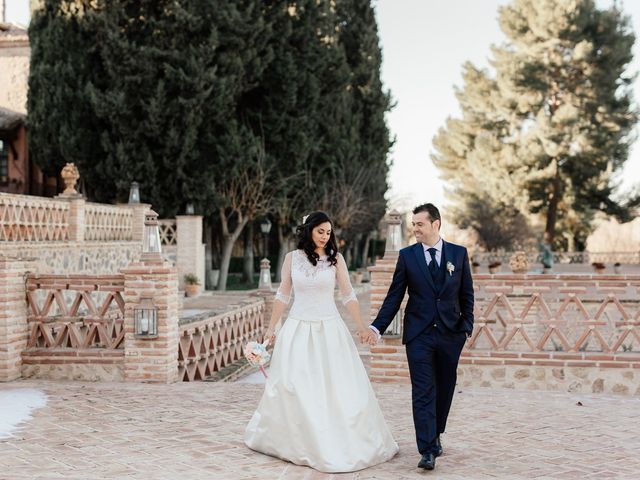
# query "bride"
(318, 407)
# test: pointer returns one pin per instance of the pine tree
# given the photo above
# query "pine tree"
(548, 132)
(62, 127)
(359, 35)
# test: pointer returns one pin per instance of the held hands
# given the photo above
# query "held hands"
(367, 336)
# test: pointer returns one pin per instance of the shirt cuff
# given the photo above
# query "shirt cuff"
(375, 330)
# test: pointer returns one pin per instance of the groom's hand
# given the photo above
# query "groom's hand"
(366, 335)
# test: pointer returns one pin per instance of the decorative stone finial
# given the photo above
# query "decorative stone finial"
(70, 175)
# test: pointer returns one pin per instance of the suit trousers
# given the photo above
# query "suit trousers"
(433, 363)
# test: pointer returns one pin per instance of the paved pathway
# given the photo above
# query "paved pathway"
(194, 431)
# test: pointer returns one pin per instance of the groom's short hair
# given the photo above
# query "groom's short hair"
(431, 209)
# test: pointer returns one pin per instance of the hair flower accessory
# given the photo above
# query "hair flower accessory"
(450, 268)
(304, 219)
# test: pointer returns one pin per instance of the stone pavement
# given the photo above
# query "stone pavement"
(189, 431)
(194, 431)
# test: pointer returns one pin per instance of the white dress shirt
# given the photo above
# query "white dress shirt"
(438, 247)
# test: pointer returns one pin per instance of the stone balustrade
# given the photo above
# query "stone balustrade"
(210, 341)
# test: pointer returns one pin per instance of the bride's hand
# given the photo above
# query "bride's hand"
(365, 335)
(270, 334)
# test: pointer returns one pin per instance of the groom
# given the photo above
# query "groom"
(437, 321)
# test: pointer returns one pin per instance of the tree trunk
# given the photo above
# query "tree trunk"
(552, 212)
(365, 251)
(208, 254)
(227, 247)
(247, 274)
(347, 254)
(283, 241)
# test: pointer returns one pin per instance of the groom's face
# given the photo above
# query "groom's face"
(424, 229)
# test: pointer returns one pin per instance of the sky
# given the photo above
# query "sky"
(424, 45)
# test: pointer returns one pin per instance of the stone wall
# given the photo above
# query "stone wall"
(82, 365)
(14, 69)
(91, 258)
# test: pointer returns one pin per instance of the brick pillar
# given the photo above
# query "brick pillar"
(190, 249)
(139, 211)
(14, 330)
(151, 360)
(388, 361)
(381, 276)
(76, 218)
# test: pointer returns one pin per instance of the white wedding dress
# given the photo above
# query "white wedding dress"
(318, 407)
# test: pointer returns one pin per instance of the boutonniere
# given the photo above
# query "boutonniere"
(450, 268)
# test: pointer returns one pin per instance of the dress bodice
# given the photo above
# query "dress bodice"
(313, 286)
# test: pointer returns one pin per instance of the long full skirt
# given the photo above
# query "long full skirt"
(318, 408)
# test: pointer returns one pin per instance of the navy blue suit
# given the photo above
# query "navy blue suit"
(438, 318)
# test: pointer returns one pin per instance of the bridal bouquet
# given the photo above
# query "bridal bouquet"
(257, 355)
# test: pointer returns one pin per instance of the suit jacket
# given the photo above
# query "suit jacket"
(451, 305)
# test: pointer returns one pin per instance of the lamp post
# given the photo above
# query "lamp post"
(265, 228)
(265, 266)
(151, 249)
(189, 209)
(134, 193)
(394, 232)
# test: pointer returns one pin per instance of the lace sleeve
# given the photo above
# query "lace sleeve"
(344, 284)
(284, 290)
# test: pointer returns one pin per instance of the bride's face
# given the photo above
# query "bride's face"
(321, 234)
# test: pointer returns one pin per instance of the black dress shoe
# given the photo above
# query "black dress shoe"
(439, 450)
(428, 461)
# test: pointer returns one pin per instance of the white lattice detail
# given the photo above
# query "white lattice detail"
(106, 222)
(33, 219)
(168, 232)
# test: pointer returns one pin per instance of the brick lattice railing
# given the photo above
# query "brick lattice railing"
(25, 218)
(75, 312)
(579, 332)
(168, 232)
(209, 342)
(108, 222)
(75, 327)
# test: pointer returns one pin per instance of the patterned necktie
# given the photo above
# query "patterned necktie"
(433, 265)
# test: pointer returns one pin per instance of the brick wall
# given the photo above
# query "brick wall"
(190, 249)
(578, 333)
(13, 317)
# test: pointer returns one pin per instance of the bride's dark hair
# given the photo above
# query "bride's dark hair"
(305, 241)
